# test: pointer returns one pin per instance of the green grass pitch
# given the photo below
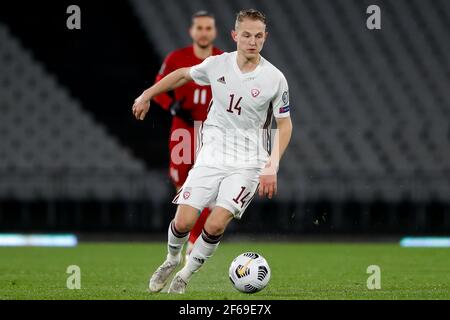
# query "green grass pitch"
(299, 271)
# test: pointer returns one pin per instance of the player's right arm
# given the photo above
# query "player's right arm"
(172, 81)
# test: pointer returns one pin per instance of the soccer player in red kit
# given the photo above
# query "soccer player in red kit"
(189, 102)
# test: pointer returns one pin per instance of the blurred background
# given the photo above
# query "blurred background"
(370, 153)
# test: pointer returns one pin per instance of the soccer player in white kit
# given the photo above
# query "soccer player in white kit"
(234, 160)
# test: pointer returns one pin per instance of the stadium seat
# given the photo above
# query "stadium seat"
(50, 145)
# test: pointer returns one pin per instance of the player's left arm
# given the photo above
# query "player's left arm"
(268, 179)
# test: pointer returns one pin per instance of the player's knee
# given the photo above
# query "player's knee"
(184, 219)
(182, 224)
(215, 227)
(218, 220)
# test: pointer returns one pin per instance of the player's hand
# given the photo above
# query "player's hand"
(140, 107)
(176, 109)
(268, 185)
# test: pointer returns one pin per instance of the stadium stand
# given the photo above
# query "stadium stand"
(51, 147)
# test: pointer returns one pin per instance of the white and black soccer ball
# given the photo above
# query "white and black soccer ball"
(249, 272)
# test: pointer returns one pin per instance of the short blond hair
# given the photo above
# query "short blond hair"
(252, 14)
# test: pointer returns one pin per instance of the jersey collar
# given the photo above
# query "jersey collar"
(246, 74)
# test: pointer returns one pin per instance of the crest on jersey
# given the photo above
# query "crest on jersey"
(255, 93)
(221, 80)
(186, 195)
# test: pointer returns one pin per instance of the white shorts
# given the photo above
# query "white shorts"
(232, 189)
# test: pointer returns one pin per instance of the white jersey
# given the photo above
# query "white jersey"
(235, 132)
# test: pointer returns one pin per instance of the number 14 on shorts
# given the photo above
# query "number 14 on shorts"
(242, 197)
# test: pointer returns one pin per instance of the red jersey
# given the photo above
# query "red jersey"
(195, 98)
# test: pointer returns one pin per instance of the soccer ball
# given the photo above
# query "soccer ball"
(249, 272)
